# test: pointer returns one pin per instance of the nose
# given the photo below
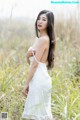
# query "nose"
(40, 21)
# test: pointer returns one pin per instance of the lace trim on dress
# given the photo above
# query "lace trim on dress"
(34, 117)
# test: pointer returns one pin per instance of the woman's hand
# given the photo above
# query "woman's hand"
(26, 89)
(29, 53)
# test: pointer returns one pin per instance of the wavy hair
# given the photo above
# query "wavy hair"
(51, 34)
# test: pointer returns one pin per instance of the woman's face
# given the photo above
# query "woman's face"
(42, 22)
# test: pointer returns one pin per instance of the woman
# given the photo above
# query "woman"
(41, 59)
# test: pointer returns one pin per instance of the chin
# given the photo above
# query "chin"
(41, 29)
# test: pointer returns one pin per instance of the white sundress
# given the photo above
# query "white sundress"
(38, 100)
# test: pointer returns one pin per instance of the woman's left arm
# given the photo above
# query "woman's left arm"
(39, 52)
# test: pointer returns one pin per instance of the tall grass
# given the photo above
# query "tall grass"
(65, 102)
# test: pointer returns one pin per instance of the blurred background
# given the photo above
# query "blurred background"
(17, 34)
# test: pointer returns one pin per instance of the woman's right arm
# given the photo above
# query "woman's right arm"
(28, 61)
(29, 54)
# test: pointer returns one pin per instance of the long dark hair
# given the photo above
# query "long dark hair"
(51, 34)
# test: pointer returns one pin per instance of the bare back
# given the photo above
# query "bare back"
(45, 53)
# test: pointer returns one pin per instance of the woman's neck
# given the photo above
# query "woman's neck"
(42, 33)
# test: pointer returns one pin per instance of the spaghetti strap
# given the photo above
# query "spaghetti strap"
(35, 57)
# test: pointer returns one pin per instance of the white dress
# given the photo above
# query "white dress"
(38, 101)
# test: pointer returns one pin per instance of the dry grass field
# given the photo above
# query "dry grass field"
(15, 38)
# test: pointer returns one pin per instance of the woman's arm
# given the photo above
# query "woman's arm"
(30, 48)
(28, 61)
(39, 52)
(29, 54)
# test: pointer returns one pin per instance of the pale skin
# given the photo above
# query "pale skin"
(41, 47)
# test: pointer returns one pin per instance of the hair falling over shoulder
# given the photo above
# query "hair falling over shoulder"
(51, 34)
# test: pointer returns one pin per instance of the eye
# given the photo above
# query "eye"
(44, 19)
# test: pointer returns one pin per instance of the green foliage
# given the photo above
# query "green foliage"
(65, 102)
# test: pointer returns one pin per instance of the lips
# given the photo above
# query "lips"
(39, 25)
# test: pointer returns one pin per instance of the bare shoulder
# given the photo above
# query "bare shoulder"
(44, 39)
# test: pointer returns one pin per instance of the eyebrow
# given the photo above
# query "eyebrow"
(43, 17)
